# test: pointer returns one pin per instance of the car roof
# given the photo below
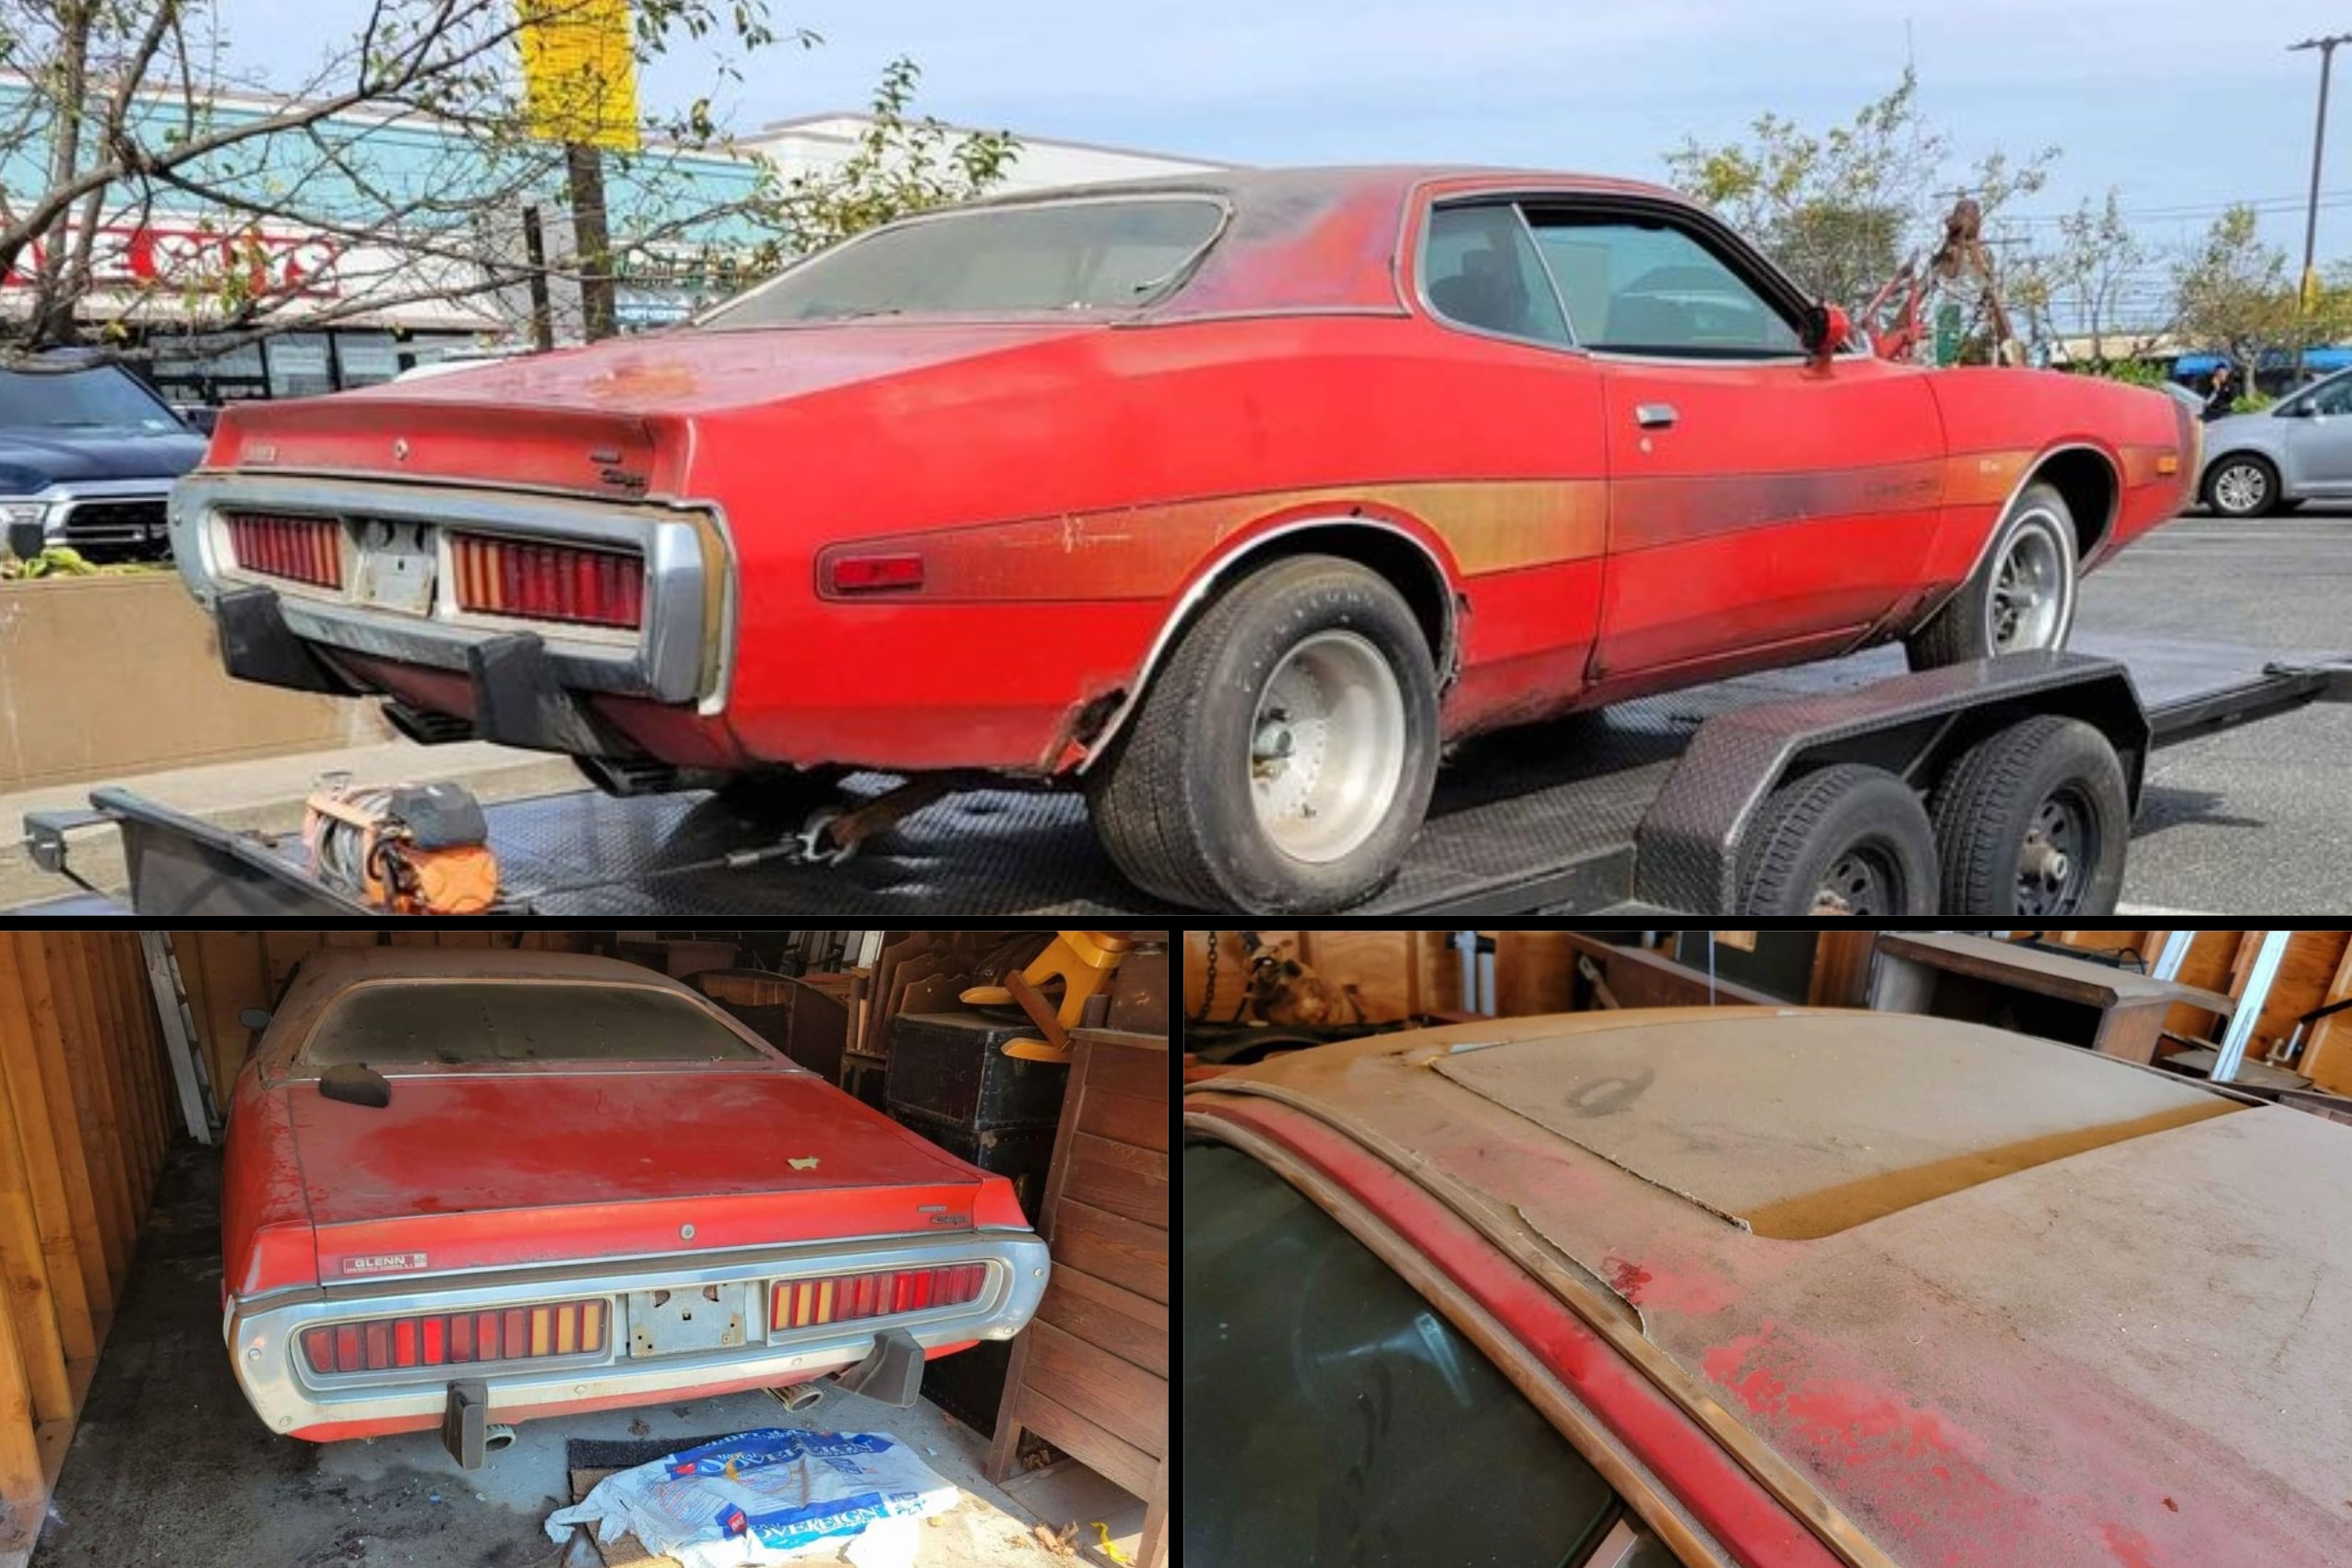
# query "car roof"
(1312, 239)
(2006, 1298)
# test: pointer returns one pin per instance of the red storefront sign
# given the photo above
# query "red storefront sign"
(188, 256)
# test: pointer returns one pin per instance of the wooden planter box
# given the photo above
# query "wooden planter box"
(108, 676)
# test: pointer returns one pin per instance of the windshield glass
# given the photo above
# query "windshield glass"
(1051, 256)
(98, 396)
(449, 1022)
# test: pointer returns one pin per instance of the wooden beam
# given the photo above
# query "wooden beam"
(1842, 968)
(102, 1138)
(44, 1164)
(2331, 1070)
(85, 1200)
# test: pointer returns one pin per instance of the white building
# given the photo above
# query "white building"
(812, 143)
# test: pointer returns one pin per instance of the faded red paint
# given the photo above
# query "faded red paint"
(1627, 1278)
(1088, 475)
(1721, 1495)
(2130, 1548)
(482, 1167)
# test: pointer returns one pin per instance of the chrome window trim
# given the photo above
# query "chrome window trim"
(665, 659)
(1432, 206)
(264, 1343)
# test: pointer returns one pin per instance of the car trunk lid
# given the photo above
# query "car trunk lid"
(615, 420)
(507, 1168)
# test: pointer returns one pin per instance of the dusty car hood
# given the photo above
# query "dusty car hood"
(484, 1169)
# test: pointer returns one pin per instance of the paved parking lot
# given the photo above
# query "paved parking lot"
(2259, 820)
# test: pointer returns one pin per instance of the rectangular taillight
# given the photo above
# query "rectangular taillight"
(842, 1298)
(307, 550)
(433, 1339)
(547, 582)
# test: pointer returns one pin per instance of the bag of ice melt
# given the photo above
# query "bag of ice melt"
(766, 1496)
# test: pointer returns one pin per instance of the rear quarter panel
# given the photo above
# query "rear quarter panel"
(265, 1216)
(1069, 493)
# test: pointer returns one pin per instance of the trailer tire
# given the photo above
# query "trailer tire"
(1842, 840)
(2033, 821)
(2022, 595)
(1283, 759)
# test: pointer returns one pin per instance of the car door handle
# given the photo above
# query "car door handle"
(1654, 416)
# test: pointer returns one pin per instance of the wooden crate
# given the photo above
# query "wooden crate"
(1089, 1374)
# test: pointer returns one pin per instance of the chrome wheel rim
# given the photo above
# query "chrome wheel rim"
(1862, 881)
(2027, 608)
(2055, 858)
(1326, 746)
(2240, 487)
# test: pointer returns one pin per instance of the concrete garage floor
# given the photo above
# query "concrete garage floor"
(170, 1465)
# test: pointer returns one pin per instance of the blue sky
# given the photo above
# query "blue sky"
(2184, 106)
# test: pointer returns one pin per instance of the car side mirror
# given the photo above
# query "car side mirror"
(354, 1083)
(1827, 331)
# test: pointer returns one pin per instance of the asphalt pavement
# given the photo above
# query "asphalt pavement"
(2257, 820)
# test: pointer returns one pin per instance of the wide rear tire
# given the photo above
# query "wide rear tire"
(1282, 760)
(2023, 595)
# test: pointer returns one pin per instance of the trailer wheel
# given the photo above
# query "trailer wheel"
(1844, 841)
(2033, 821)
(2022, 597)
(1281, 761)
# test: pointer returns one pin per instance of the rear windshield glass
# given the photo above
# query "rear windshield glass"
(1053, 257)
(511, 1021)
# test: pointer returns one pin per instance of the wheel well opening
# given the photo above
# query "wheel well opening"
(2088, 485)
(1406, 567)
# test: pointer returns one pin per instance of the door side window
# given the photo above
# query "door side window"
(2335, 398)
(1478, 269)
(1332, 1415)
(1642, 286)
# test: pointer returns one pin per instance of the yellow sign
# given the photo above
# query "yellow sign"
(580, 72)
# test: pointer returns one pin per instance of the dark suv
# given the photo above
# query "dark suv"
(88, 455)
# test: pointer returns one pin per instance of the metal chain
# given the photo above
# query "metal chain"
(1208, 994)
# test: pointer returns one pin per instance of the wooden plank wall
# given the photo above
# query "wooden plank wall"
(86, 1112)
(227, 971)
(1395, 974)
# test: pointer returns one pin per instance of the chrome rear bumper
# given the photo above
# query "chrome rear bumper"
(263, 1334)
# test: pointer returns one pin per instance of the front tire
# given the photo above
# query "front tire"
(2241, 485)
(1282, 760)
(2022, 597)
(1843, 841)
(2033, 821)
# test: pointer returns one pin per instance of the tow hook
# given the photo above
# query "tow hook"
(892, 1372)
(832, 834)
(465, 1422)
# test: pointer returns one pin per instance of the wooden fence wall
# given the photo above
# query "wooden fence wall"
(86, 1112)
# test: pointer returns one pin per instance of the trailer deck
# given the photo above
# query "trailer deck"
(1539, 820)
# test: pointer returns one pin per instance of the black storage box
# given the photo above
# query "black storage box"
(1021, 1155)
(950, 1066)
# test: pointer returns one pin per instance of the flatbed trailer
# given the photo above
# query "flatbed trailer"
(1639, 807)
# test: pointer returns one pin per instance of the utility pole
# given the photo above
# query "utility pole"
(2308, 287)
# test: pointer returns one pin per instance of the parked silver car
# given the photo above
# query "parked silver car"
(2298, 450)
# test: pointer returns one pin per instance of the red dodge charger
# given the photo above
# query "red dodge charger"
(464, 1187)
(1232, 498)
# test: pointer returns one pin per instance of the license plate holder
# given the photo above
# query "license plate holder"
(398, 565)
(687, 1317)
